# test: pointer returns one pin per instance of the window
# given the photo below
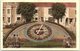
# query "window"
(66, 21)
(75, 19)
(49, 11)
(42, 19)
(3, 11)
(71, 20)
(8, 11)
(18, 18)
(75, 11)
(61, 19)
(3, 20)
(35, 11)
(9, 3)
(8, 19)
(35, 18)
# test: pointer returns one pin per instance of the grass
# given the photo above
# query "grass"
(42, 44)
(73, 36)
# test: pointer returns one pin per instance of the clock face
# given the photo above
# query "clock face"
(39, 32)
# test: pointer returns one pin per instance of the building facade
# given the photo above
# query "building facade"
(10, 15)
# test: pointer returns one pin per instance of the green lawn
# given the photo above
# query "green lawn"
(42, 44)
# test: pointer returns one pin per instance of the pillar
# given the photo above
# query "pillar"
(5, 13)
(13, 13)
(40, 13)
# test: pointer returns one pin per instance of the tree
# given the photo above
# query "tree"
(27, 10)
(58, 11)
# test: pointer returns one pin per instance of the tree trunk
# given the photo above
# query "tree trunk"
(53, 19)
(58, 21)
(61, 19)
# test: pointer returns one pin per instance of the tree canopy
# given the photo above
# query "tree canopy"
(27, 10)
(58, 11)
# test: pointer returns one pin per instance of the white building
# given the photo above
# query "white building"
(42, 13)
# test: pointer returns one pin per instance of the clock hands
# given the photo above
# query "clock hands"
(39, 32)
(39, 29)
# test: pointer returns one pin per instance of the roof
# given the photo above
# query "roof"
(45, 4)
(42, 4)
